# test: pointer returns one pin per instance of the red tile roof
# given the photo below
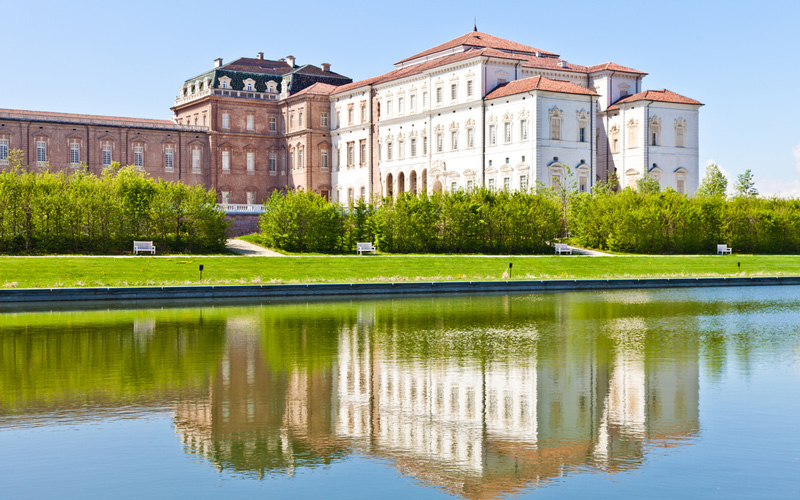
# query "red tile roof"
(22, 114)
(318, 88)
(662, 95)
(610, 66)
(258, 66)
(538, 83)
(480, 40)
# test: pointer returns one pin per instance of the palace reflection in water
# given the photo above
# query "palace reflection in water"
(480, 397)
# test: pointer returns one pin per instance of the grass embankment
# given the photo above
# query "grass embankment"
(67, 271)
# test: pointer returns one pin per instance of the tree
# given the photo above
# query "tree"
(648, 185)
(745, 185)
(714, 182)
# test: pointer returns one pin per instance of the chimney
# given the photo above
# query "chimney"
(326, 67)
(290, 61)
(260, 56)
(218, 62)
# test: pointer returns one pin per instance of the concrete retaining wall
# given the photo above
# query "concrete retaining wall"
(351, 289)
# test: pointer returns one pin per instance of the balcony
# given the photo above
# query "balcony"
(240, 208)
(242, 94)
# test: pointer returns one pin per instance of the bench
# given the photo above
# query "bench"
(723, 249)
(563, 248)
(143, 246)
(364, 247)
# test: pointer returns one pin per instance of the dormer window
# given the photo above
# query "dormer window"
(225, 82)
(249, 85)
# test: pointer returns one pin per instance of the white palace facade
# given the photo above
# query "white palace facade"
(484, 111)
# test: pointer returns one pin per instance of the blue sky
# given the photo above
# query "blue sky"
(129, 58)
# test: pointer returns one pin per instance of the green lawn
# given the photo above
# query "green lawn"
(70, 271)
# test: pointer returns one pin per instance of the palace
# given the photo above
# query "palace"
(477, 110)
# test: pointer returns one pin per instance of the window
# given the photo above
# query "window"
(138, 156)
(169, 158)
(453, 92)
(350, 116)
(491, 183)
(291, 122)
(507, 131)
(470, 88)
(388, 108)
(338, 119)
(583, 183)
(425, 145)
(681, 183)
(389, 152)
(273, 124)
(251, 122)
(492, 134)
(363, 148)
(249, 86)
(75, 154)
(614, 139)
(454, 140)
(523, 183)
(226, 197)
(300, 119)
(350, 195)
(283, 162)
(555, 124)
(273, 163)
(363, 113)
(197, 156)
(226, 161)
(251, 162)
(291, 161)
(106, 155)
(41, 153)
(226, 120)
(633, 133)
(251, 198)
(224, 83)
(439, 142)
(412, 100)
(401, 149)
(400, 105)
(523, 130)
(425, 99)
(363, 193)
(300, 163)
(506, 183)
(3, 151)
(323, 156)
(323, 120)
(680, 133)
(454, 186)
(655, 131)
(470, 137)
(582, 134)
(351, 154)
(470, 184)
(413, 148)
(205, 120)
(438, 96)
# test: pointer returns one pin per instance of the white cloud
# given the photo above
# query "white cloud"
(778, 187)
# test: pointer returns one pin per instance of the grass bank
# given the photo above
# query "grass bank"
(71, 271)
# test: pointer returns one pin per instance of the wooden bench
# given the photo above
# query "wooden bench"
(364, 247)
(143, 246)
(562, 248)
(723, 249)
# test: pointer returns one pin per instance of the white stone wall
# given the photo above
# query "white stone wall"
(355, 177)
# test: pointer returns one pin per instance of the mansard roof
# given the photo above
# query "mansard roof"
(318, 88)
(662, 95)
(476, 39)
(538, 83)
(610, 66)
(111, 121)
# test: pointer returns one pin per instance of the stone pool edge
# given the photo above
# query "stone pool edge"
(349, 289)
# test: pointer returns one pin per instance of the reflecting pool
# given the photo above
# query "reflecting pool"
(631, 394)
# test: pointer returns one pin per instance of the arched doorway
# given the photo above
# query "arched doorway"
(424, 180)
(401, 183)
(437, 187)
(389, 182)
(413, 177)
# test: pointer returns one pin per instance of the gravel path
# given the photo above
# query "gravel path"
(244, 248)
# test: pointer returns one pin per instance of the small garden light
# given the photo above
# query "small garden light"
(201, 272)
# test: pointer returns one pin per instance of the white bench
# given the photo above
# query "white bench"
(563, 248)
(364, 247)
(143, 246)
(723, 249)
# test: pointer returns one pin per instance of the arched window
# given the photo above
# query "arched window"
(633, 133)
(555, 123)
(613, 136)
(655, 131)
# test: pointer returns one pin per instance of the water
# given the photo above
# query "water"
(630, 394)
